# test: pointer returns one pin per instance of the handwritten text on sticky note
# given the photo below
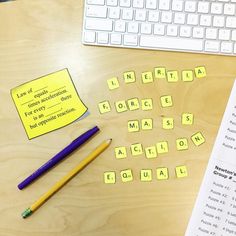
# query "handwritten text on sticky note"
(48, 103)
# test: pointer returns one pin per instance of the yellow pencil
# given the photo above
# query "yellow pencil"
(66, 178)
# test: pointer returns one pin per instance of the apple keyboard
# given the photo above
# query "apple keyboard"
(204, 26)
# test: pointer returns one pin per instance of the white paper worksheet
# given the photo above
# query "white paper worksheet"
(214, 212)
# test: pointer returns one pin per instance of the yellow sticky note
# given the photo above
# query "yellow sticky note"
(172, 76)
(113, 83)
(187, 75)
(181, 171)
(120, 152)
(133, 126)
(187, 119)
(166, 101)
(126, 175)
(198, 138)
(104, 107)
(121, 106)
(109, 177)
(162, 147)
(133, 104)
(151, 152)
(200, 72)
(136, 149)
(147, 77)
(160, 72)
(146, 124)
(129, 77)
(146, 104)
(48, 103)
(167, 123)
(162, 173)
(181, 144)
(146, 175)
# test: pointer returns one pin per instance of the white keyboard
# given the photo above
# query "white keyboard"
(204, 26)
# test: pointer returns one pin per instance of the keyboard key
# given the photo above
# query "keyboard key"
(98, 24)
(192, 19)
(96, 11)
(125, 3)
(159, 29)
(166, 17)
(179, 18)
(113, 3)
(190, 6)
(229, 9)
(172, 30)
(216, 8)
(114, 13)
(120, 26)
(170, 43)
(96, 2)
(140, 15)
(103, 38)
(203, 7)
(177, 5)
(151, 4)
(153, 16)
(133, 27)
(131, 40)
(164, 4)
(226, 47)
(211, 33)
(218, 21)
(116, 39)
(146, 28)
(198, 32)
(89, 36)
(231, 22)
(127, 14)
(233, 36)
(185, 31)
(138, 3)
(224, 34)
(212, 46)
(205, 20)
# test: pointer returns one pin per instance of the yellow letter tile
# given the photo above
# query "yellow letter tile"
(200, 72)
(133, 126)
(181, 171)
(147, 124)
(129, 77)
(187, 119)
(109, 177)
(167, 123)
(160, 72)
(166, 101)
(133, 104)
(146, 175)
(172, 76)
(162, 147)
(104, 107)
(198, 138)
(126, 175)
(147, 77)
(162, 173)
(113, 83)
(151, 152)
(187, 75)
(121, 106)
(181, 144)
(146, 104)
(120, 152)
(136, 149)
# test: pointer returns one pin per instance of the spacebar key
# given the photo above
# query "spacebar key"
(171, 43)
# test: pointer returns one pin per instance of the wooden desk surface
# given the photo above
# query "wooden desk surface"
(39, 37)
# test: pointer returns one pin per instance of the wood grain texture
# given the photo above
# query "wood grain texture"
(41, 36)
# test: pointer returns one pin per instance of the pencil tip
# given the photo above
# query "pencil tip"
(26, 213)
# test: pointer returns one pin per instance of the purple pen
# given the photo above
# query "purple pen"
(59, 156)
